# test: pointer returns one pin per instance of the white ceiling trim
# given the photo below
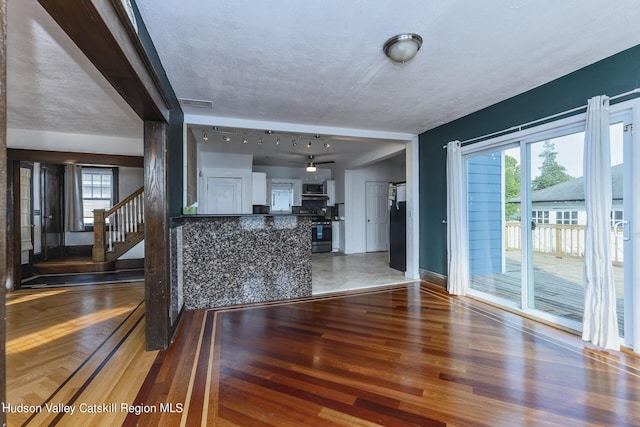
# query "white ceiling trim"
(194, 119)
(375, 156)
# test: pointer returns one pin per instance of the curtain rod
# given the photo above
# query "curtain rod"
(528, 124)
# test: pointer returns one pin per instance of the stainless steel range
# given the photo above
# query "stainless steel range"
(320, 235)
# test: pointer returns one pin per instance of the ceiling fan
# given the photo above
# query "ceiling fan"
(311, 164)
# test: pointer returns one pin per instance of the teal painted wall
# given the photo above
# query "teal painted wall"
(611, 76)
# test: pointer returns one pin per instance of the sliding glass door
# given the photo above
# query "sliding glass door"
(621, 141)
(526, 220)
(494, 215)
(555, 249)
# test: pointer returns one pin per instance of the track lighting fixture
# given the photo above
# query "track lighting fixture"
(309, 144)
(205, 137)
(327, 145)
(260, 141)
(294, 143)
(277, 141)
(226, 138)
(244, 140)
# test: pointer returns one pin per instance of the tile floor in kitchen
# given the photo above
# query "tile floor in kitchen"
(334, 271)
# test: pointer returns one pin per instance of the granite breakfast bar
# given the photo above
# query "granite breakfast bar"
(225, 260)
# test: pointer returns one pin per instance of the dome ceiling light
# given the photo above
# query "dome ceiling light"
(403, 47)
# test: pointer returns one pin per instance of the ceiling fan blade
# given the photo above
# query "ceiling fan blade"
(322, 163)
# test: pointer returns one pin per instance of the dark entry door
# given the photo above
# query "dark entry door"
(52, 228)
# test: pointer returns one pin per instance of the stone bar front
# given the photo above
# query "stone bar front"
(231, 260)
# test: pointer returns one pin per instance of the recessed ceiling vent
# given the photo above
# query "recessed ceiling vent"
(196, 103)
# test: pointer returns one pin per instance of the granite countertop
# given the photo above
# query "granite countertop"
(242, 259)
(181, 219)
(239, 215)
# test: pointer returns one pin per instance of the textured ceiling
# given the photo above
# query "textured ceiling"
(317, 63)
(52, 86)
(321, 62)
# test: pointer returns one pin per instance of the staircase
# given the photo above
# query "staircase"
(117, 230)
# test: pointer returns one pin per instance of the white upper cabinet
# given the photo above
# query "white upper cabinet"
(297, 192)
(330, 189)
(259, 188)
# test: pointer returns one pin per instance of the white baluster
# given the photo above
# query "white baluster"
(135, 213)
(127, 219)
(110, 233)
(121, 234)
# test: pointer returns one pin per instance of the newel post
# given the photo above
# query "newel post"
(98, 235)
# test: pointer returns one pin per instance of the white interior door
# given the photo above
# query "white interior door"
(377, 194)
(224, 195)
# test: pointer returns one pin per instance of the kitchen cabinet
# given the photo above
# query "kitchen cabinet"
(259, 188)
(297, 192)
(330, 189)
(336, 242)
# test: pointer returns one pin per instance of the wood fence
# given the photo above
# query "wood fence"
(563, 241)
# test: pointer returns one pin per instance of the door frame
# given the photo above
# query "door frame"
(524, 138)
(28, 270)
(59, 250)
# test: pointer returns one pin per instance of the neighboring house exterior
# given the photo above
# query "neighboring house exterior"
(564, 203)
(559, 217)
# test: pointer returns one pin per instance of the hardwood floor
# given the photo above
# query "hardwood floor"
(406, 356)
(399, 356)
(79, 345)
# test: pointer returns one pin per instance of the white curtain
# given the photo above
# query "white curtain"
(457, 246)
(73, 218)
(600, 323)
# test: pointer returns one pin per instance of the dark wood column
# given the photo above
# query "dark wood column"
(129, 61)
(3, 200)
(156, 231)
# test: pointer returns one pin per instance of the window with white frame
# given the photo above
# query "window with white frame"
(540, 217)
(567, 217)
(97, 191)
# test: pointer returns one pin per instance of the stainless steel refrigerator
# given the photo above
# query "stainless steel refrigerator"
(398, 226)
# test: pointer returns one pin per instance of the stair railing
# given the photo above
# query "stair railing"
(112, 225)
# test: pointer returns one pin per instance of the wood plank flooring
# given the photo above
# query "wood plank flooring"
(75, 346)
(409, 355)
(399, 356)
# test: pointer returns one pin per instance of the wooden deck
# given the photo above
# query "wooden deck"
(558, 288)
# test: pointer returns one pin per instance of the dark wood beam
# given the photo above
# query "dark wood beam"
(156, 235)
(104, 36)
(60, 157)
(127, 58)
(3, 201)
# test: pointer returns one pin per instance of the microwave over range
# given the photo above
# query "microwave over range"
(313, 189)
